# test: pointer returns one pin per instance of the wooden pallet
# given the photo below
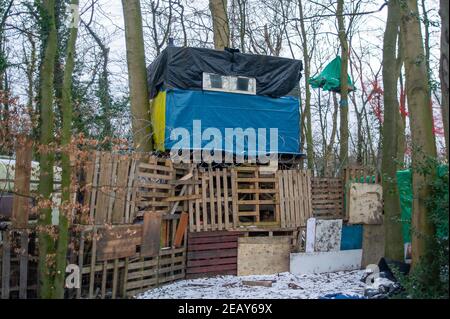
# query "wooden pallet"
(327, 197)
(210, 204)
(107, 255)
(153, 186)
(146, 273)
(211, 254)
(295, 197)
(255, 196)
(107, 189)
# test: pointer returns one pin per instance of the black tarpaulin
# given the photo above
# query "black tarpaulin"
(183, 67)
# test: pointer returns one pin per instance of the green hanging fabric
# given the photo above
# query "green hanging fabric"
(329, 78)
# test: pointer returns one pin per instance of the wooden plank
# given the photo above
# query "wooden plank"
(115, 278)
(80, 261)
(259, 283)
(183, 198)
(151, 234)
(181, 229)
(282, 199)
(207, 254)
(225, 198)
(212, 261)
(210, 240)
(118, 212)
(197, 203)
(218, 176)
(103, 188)
(23, 264)
(211, 200)
(104, 277)
(22, 175)
(93, 256)
(213, 246)
(6, 264)
(234, 195)
(213, 234)
(204, 202)
(113, 186)
(191, 211)
(195, 270)
(131, 194)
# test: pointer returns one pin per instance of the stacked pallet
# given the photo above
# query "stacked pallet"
(108, 180)
(212, 253)
(255, 196)
(295, 197)
(327, 197)
(153, 187)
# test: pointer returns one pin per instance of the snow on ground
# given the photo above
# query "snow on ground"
(285, 286)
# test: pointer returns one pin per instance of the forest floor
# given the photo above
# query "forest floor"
(284, 286)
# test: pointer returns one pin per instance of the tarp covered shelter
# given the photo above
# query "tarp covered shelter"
(176, 81)
(330, 77)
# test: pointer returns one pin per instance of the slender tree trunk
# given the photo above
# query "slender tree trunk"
(309, 139)
(392, 212)
(66, 178)
(221, 27)
(137, 76)
(329, 147)
(421, 123)
(443, 71)
(343, 131)
(46, 158)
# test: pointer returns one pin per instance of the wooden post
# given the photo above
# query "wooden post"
(21, 200)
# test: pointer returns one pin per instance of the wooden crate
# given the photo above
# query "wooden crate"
(327, 197)
(295, 197)
(211, 254)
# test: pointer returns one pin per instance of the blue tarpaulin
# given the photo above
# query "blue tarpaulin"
(229, 111)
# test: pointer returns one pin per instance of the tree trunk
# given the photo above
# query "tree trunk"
(137, 76)
(221, 27)
(329, 147)
(46, 158)
(66, 178)
(443, 71)
(343, 131)
(392, 212)
(421, 123)
(309, 139)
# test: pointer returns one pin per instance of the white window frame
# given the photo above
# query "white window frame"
(229, 84)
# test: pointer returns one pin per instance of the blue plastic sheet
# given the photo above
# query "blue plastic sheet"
(230, 111)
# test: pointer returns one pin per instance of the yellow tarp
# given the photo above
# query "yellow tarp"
(159, 120)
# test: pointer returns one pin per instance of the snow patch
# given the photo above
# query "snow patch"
(285, 286)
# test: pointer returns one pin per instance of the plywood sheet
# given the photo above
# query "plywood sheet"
(365, 204)
(322, 262)
(151, 234)
(263, 255)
